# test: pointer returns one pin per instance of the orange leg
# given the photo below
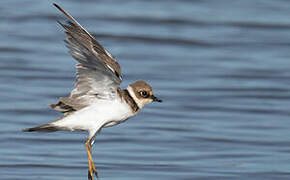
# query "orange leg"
(92, 168)
(92, 163)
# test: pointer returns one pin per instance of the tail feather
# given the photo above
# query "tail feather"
(42, 128)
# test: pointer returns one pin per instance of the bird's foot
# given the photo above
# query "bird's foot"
(92, 170)
(90, 176)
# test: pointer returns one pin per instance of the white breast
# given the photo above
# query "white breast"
(96, 116)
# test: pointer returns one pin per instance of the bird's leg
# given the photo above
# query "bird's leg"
(91, 163)
(90, 173)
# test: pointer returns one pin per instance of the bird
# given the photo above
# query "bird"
(96, 101)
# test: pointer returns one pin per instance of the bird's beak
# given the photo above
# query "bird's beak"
(156, 99)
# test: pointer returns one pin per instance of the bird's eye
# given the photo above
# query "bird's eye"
(144, 94)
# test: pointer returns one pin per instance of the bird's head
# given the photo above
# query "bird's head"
(142, 93)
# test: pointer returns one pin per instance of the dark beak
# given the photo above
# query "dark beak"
(156, 99)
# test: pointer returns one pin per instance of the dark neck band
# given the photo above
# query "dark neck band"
(135, 106)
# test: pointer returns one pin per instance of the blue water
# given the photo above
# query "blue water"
(221, 67)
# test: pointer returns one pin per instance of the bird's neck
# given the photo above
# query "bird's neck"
(129, 99)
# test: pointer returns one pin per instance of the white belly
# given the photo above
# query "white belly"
(96, 116)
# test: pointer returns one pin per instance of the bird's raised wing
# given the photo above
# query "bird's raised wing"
(98, 73)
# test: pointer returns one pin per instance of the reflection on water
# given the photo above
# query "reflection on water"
(222, 69)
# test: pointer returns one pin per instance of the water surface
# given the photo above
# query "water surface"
(221, 67)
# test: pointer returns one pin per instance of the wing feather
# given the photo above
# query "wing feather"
(98, 73)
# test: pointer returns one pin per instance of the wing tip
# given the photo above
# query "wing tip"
(67, 15)
(57, 6)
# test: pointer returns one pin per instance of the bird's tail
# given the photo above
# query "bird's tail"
(43, 128)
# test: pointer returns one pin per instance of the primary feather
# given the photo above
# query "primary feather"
(98, 73)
